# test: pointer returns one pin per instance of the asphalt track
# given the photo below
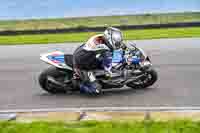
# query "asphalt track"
(176, 60)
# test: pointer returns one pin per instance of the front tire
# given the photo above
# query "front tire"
(152, 77)
(45, 85)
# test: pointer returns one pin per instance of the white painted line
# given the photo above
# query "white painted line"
(100, 109)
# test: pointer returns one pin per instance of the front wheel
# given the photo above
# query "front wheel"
(150, 78)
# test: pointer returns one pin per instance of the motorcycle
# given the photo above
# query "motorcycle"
(130, 66)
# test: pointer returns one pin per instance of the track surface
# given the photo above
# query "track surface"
(176, 60)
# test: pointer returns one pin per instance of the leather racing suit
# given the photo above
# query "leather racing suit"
(94, 54)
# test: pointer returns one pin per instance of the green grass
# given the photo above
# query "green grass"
(99, 21)
(81, 37)
(181, 126)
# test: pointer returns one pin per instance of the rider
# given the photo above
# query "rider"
(96, 53)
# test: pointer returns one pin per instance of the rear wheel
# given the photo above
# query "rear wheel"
(57, 75)
(150, 78)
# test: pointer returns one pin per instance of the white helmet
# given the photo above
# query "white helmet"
(113, 37)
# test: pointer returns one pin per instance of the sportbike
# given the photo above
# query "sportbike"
(131, 67)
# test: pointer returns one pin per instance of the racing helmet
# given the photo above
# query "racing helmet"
(113, 37)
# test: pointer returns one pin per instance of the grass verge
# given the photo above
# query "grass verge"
(60, 23)
(81, 37)
(181, 126)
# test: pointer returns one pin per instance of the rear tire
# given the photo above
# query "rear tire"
(153, 78)
(55, 73)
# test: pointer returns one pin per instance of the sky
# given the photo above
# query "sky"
(26, 9)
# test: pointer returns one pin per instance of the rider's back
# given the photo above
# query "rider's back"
(85, 55)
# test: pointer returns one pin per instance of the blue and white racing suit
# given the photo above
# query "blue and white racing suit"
(94, 54)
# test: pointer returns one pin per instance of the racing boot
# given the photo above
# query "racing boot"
(92, 88)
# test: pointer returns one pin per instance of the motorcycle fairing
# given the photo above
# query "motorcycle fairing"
(117, 56)
(55, 58)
